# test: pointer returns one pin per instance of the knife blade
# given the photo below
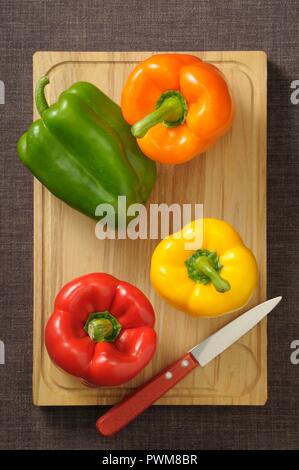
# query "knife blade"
(123, 413)
(215, 344)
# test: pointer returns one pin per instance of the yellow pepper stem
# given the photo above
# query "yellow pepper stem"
(203, 264)
(171, 110)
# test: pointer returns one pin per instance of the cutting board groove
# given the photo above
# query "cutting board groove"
(230, 180)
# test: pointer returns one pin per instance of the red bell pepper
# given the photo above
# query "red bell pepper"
(101, 330)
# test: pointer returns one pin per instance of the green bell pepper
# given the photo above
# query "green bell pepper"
(83, 151)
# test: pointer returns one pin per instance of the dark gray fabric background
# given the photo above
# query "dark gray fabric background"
(28, 26)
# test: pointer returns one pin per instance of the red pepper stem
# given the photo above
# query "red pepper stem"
(203, 264)
(102, 327)
(171, 110)
(40, 99)
(98, 329)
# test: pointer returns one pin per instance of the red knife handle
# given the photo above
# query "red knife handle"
(124, 412)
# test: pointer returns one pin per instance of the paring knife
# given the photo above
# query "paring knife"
(127, 410)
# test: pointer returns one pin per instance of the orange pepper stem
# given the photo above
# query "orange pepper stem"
(204, 265)
(171, 110)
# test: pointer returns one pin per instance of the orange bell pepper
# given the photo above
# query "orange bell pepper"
(178, 106)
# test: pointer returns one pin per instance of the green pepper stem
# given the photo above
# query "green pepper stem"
(171, 109)
(102, 326)
(203, 264)
(40, 99)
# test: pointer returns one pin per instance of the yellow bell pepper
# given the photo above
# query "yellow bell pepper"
(218, 277)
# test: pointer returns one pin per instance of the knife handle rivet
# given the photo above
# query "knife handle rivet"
(184, 363)
(168, 375)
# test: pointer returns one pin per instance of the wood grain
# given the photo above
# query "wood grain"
(230, 180)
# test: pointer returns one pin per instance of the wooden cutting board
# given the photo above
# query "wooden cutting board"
(230, 180)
